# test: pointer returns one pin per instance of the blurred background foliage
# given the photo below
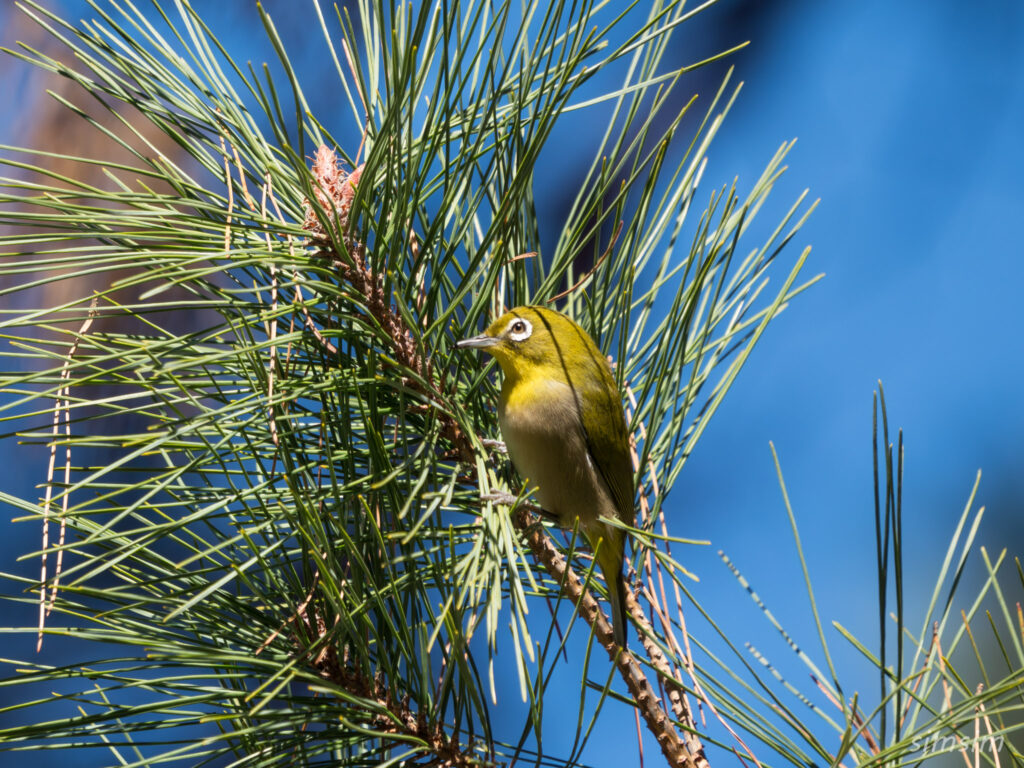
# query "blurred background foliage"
(909, 119)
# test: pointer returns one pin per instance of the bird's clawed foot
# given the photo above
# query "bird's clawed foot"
(509, 500)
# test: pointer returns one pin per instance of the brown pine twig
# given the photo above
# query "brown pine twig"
(913, 691)
(988, 727)
(947, 690)
(661, 609)
(61, 407)
(855, 717)
(498, 305)
(593, 268)
(267, 191)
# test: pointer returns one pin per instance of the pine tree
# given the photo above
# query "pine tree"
(277, 513)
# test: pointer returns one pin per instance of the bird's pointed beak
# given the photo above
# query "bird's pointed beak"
(483, 341)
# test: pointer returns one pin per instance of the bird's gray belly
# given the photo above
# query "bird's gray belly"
(551, 455)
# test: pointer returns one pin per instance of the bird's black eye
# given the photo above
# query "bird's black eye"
(518, 326)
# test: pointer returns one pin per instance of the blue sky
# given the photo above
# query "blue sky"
(909, 121)
(909, 118)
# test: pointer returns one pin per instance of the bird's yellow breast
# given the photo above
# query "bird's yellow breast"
(542, 430)
(526, 391)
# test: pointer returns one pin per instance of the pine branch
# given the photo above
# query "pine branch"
(386, 715)
(335, 191)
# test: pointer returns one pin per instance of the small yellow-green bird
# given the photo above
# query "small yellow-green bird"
(562, 420)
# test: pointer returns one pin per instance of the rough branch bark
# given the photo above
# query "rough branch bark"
(679, 749)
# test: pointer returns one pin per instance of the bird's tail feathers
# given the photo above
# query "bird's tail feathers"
(617, 597)
(610, 555)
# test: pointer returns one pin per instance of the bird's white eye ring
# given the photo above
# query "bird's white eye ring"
(519, 329)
